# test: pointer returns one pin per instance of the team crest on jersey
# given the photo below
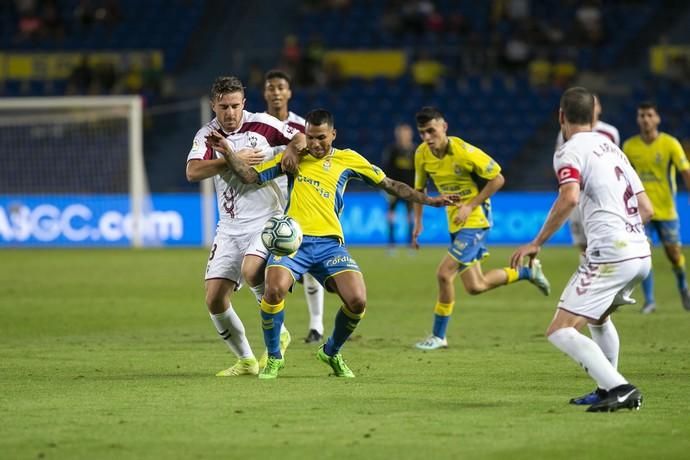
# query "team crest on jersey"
(658, 158)
(457, 169)
(290, 130)
(253, 140)
(326, 164)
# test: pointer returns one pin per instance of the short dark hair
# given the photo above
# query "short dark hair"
(426, 114)
(277, 73)
(644, 105)
(319, 117)
(225, 85)
(577, 104)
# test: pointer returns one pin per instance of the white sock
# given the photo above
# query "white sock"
(231, 330)
(313, 291)
(606, 336)
(588, 355)
(258, 291)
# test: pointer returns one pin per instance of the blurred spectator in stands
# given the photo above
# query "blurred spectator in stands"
(108, 13)
(104, 78)
(54, 27)
(152, 78)
(539, 71)
(398, 164)
(333, 74)
(564, 69)
(391, 19)
(589, 22)
(517, 50)
(291, 55)
(255, 76)
(29, 23)
(414, 14)
(133, 80)
(312, 62)
(79, 80)
(427, 71)
(84, 14)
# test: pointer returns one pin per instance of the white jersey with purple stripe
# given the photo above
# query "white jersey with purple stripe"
(245, 207)
(608, 196)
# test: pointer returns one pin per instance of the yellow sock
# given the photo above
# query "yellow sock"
(444, 309)
(272, 309)
(513, 275)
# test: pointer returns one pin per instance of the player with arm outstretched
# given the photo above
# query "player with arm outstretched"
(277, 94)
(315, 202)
(594, 175)
(458, 167)
(237, 252)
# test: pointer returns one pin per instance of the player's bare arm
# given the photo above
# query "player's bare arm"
(246, 173)
(489, 189)
(203, 169)
(404, 191)
(644, 206)
(296, 149)
(568, 197)
(686, 179)
(418, 227)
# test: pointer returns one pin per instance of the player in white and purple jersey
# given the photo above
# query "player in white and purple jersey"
(277, 94)
(577, 231)
(594, 175)
(243, 209)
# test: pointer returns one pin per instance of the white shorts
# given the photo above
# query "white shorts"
(227, 253)
(577, 228)
(594, 288)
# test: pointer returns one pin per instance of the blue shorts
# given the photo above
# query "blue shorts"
(668, 231)
(467, 246)
(322, 257)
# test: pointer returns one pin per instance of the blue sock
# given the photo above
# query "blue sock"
(270, 323)
(345, 324)
(524, 273)
(648, 288)
(440, 325)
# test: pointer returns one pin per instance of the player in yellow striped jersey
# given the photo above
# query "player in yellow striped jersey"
(316, 201)
(656, 156)
(457, 167)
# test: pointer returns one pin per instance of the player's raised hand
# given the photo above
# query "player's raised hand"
(251, 156)
(526, 250)
(217, 142)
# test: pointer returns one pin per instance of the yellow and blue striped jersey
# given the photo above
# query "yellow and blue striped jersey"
(315, 194)
(461, 171)
(656, 164)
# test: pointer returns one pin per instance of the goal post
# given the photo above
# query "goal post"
(84, 150)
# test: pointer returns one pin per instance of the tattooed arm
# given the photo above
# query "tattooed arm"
(407, 193)
(246, 173)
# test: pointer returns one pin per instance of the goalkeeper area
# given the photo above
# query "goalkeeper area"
(120, 364)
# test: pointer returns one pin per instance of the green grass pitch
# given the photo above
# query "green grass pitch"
(110, 354)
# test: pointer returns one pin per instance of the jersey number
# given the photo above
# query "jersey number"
(628, 194)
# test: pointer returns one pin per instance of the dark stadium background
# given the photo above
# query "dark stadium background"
(502, 64)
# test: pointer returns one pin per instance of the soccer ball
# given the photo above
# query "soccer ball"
(281, 235)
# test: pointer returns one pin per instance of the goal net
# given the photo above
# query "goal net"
(73, 172)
